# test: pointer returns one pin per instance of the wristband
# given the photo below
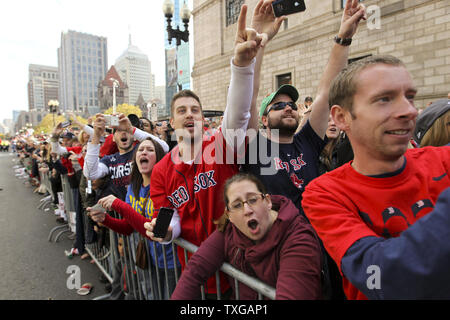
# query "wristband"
(343, 42)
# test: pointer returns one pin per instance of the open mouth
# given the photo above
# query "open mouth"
(124, 139)
(252, 224)
(143, 160)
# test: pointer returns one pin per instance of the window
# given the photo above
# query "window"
(285, 78)
(233, 8)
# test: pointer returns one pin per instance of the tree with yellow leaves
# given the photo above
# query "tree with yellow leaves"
(126, 109)
(46, 125)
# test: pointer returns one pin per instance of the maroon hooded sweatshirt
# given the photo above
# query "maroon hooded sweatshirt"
(288, 258)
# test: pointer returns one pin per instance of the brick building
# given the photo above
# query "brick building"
(105, 90)
(416, 31)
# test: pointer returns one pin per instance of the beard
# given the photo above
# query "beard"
(284, 129)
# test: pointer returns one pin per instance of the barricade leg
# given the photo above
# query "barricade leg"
(61, 233)
(65, 226)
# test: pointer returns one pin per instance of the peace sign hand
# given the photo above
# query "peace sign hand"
(353, 13)
(248, 41)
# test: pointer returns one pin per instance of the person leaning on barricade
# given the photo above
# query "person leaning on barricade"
(282, 158)
(189, 178)
(374, 213)
(138, 209)
(72, 158)
(263, 236)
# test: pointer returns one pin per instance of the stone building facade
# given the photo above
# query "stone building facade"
(416, 31)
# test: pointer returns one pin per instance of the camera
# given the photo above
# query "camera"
(111, 121)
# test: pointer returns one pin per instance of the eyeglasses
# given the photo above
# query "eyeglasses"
(253, 200)
(281, 105)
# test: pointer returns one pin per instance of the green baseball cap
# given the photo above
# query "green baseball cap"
(286, 89)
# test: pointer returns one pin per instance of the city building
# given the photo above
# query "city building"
(28, 119)
(416, 31)
(8, 124)
(82, 63)
(134, 68)
(43, 86)
(105, 90)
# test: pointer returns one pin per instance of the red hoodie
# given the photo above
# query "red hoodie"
(288, 258)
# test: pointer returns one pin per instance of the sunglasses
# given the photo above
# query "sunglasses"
(281, 105)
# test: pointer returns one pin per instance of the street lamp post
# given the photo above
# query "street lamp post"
(115, 84)
(53, 108)
(185, 14)
(154, 114)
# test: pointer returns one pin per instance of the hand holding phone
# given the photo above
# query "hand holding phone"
(97, 213)
(286, 7)
(162, 222)
(98, 207)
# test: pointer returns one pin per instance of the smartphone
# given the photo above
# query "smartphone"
(286, 7)
(65, 124)
(98, 207)
(162, 222)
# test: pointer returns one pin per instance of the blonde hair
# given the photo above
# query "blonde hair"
(81, 139)
(438, 134)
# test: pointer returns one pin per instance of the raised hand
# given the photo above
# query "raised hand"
(75, 120)
(352, 15)
(57, 130)
(99, 127)
(125, 123)
(264, 21)
(248, 41)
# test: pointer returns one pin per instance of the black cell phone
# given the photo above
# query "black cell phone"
(162, 222)
(285, 7)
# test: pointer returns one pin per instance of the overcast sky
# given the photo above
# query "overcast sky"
(30, 33)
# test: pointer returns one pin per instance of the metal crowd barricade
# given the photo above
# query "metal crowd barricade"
(46, 202)
(155, 282)
(263, 289)
(69, 208)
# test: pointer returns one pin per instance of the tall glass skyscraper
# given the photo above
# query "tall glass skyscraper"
(82, 63)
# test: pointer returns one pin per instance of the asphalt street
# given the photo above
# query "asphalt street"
(31, 267)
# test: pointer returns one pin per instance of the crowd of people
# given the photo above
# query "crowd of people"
(305, 197)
